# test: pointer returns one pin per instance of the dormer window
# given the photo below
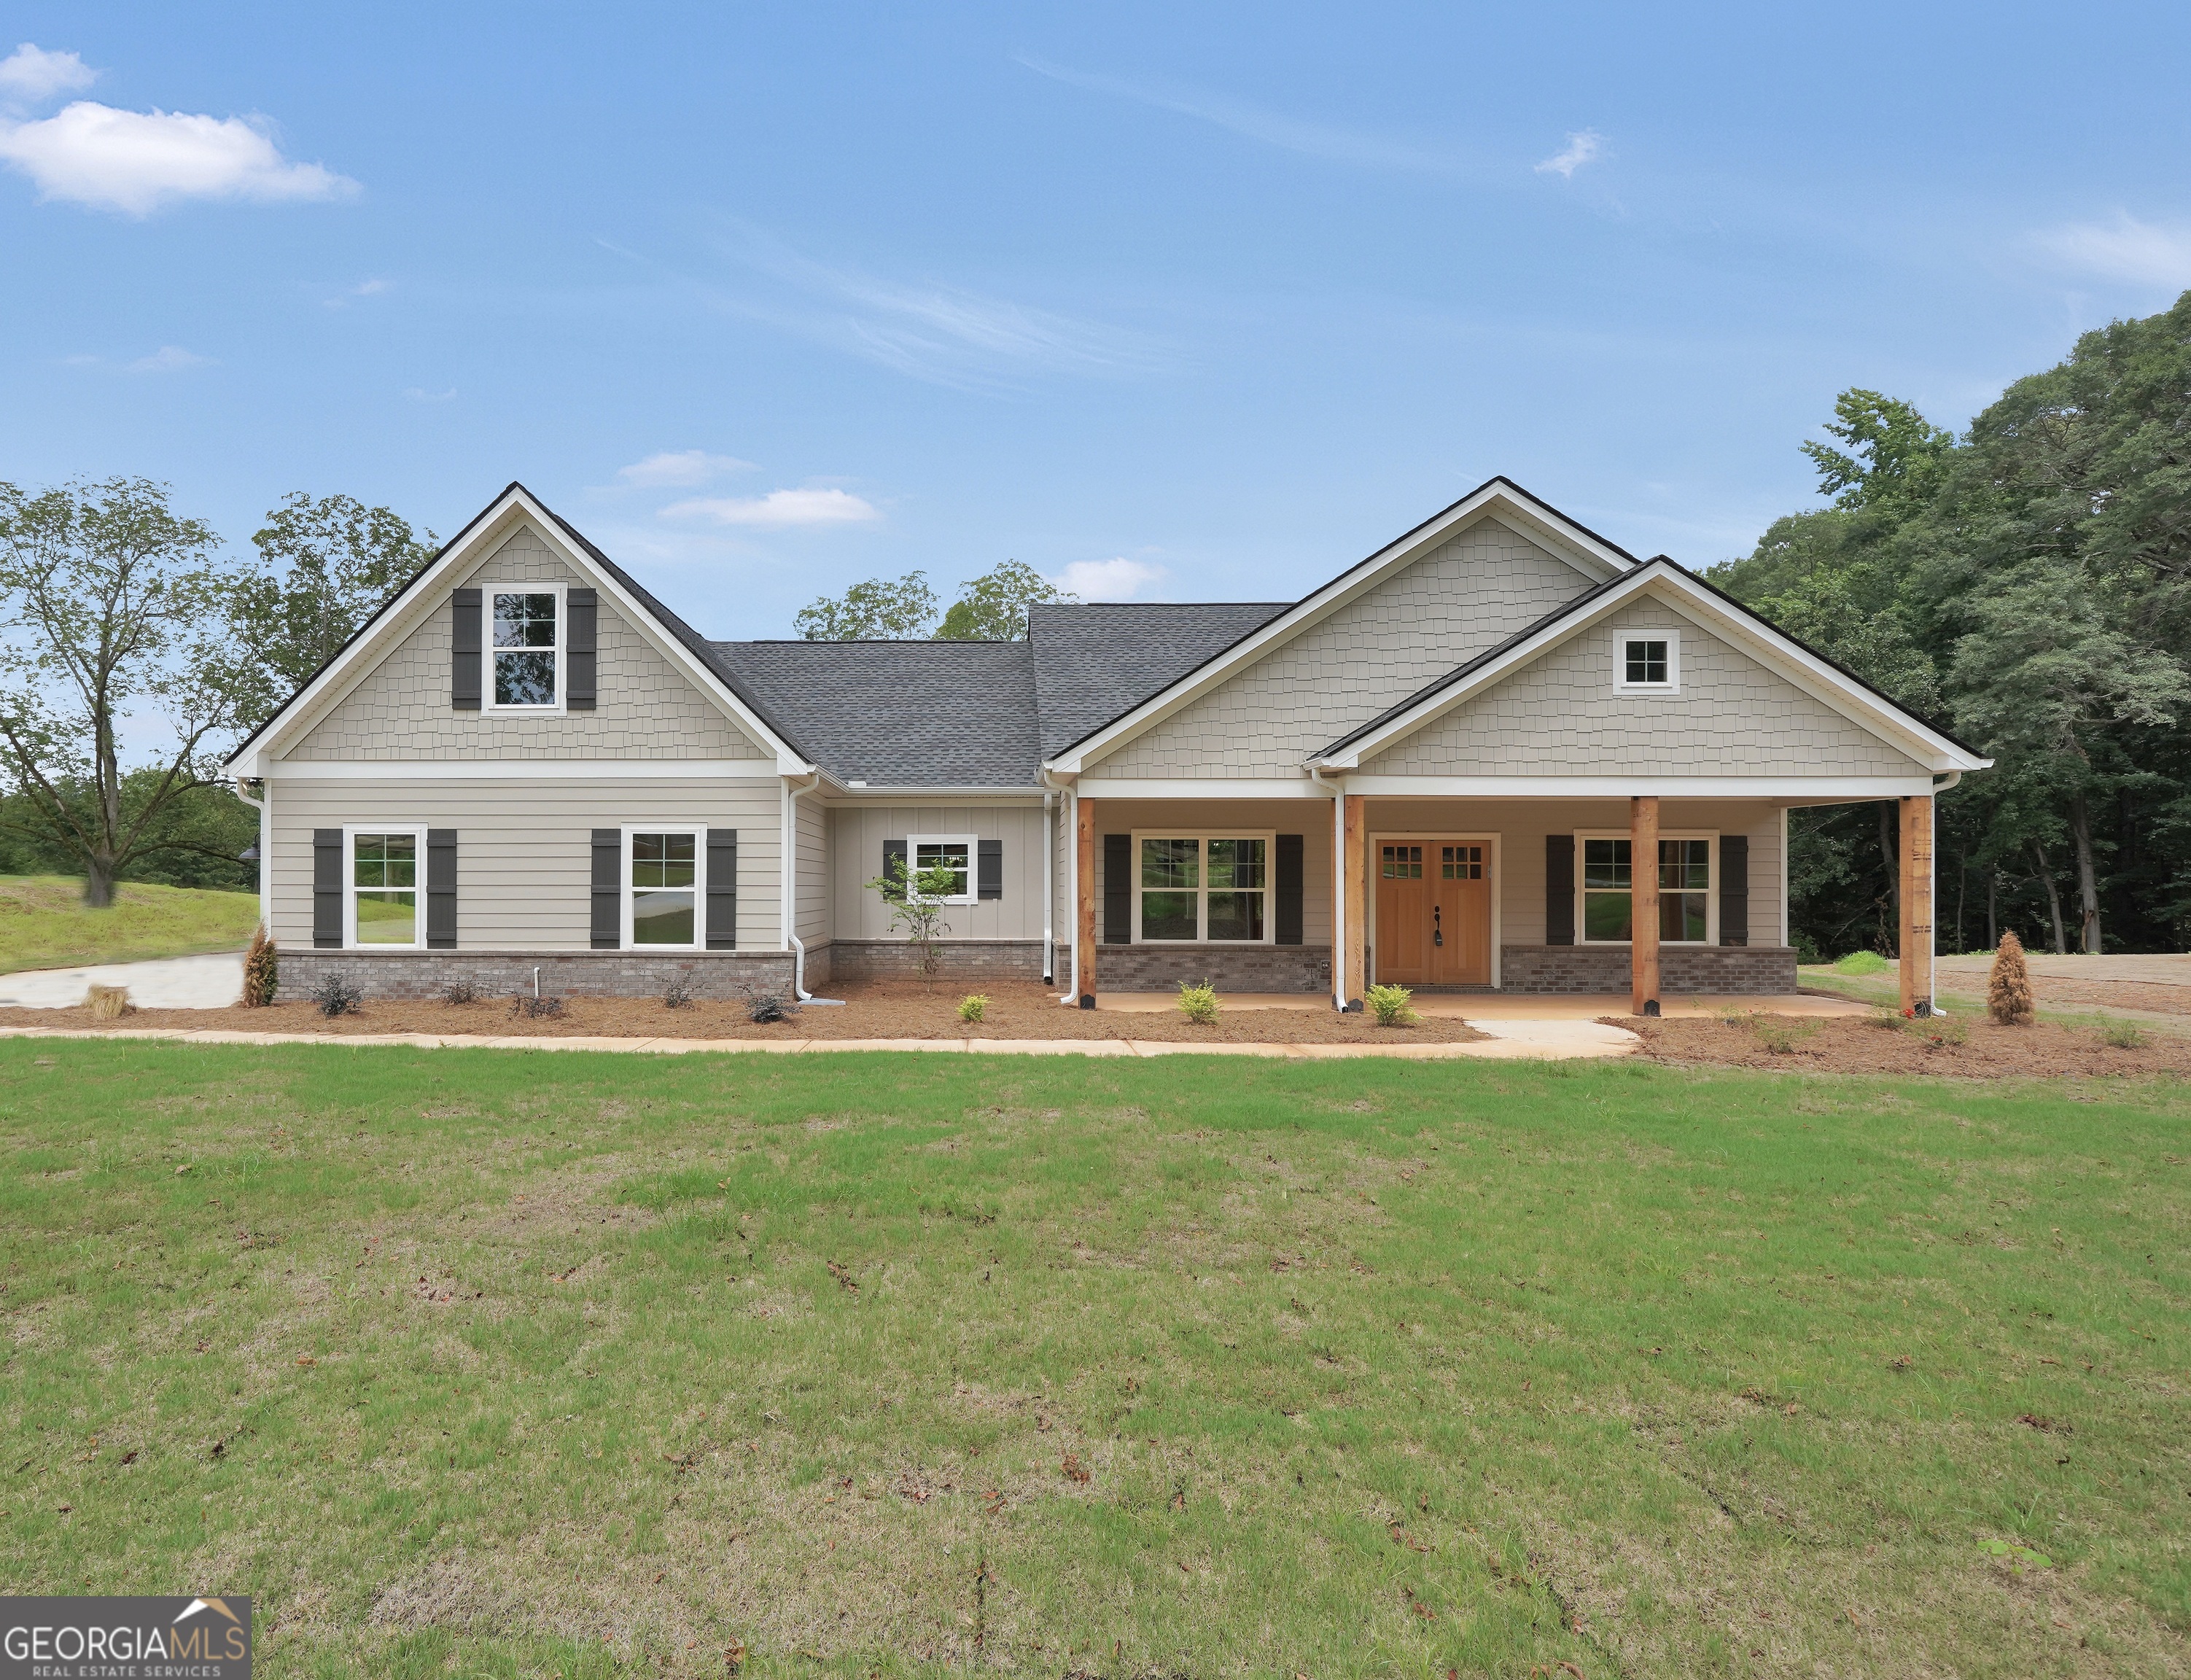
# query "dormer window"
(1651, 663)
(526, 646)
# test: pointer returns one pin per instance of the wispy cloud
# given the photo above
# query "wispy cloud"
(364, 288)
(1119, 579)
(1587, 146)
(1313, 139)
(681, 467)
(779, 509)
(168, 359)
(30, 77)
(420, 394)
(2147, 253)
(136, 161)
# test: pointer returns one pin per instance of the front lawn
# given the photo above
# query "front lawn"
(44, 925)
(470, 1361)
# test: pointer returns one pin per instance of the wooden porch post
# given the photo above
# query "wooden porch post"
(1643, 904)
(1915, 939)
(1357, 884)
(1083, 910)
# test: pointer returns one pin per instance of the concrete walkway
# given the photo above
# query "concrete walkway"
(170, 983)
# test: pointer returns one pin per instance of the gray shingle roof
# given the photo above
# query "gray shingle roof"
(900, 713)
(1096, 661)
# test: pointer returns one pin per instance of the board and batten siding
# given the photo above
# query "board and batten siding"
(1468, 594)
(646, 709)
(524, 848)
(857, 833)
(1559, 714)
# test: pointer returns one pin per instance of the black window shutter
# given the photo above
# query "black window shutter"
(327, 888)
(1286, 876)
(1118, 889)
(465, 650)
(1734, 889)
(578, 637)
(608, 888)
(722, 888)
(992, 880)
(440, 889)
(894, 849)
(1559, 889)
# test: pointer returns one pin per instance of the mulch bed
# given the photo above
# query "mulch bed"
(881, 1009)
(1855, 1044)
(2105, 994)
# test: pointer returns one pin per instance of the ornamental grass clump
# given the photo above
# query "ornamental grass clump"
(2008, 988)
(972, 1008)
(1392, 1005)
(107, 1002)
(1198, 1004)
(262, 970)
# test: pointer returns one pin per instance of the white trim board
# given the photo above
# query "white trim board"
(1800, 790)
(518, 770)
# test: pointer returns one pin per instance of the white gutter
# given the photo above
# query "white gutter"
(789, 875)
(266, 877)
(1337, 886)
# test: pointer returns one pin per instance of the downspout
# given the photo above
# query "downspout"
(1072, 812)
(1048, 887)
(1933, 968)
(1337, 886)
(265, 911)
(790, 876)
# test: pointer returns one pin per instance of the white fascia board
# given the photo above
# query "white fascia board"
(520, 769)
(457, 561)
(1794, 789)
(1293, 788)
(1816, 678)
(843, 793)
(1566, 542)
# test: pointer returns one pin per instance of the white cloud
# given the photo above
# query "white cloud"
(30, 76)
(2145, 253)
(1585, 147)
(168, 359)
(779, 509)
(136, 161)
(681, 467)
(1119, 580)
(420, 394)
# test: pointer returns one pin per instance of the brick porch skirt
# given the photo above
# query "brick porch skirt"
(963, 959)
(563, 974)
(1682, 968)
(1230, 968)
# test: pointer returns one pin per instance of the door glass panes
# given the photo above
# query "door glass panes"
(1461, 863)
(950, 855)
(1401, 862)
(664, 889)
(1684, 889)
(525, 649)
(1171, 877)
(1236, 889)
(384, 877)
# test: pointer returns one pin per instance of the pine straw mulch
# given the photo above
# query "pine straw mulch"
(881, 1009)
(1858, 1044)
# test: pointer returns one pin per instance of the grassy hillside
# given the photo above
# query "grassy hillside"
(481, 1363)
(43, 923)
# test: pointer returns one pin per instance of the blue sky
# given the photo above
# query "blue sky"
(1186, 303)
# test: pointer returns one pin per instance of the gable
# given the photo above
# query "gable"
(1561, 714)
(399, 707)
(1467, 594)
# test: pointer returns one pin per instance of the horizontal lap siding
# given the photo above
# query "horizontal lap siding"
(524, 859)
(857, 833)
(816, 918)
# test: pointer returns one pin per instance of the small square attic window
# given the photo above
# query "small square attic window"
(1649, 662)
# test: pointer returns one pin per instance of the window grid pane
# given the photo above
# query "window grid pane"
(525, 620)
(663, 860)
(1646, 662)
(952, 855)
(1607, 915)
(1236, 915)
(1605, 864)
(1462, 863)
(1236, 863)
(1169, 916)
(1171, 863)
(1402, 863)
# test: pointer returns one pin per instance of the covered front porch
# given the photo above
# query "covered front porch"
(1511, 895)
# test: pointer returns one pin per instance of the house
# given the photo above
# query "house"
(1438, 769)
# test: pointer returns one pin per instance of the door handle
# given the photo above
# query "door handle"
(1437, 924)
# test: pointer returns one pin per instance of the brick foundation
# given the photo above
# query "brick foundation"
(1230, 968)
(563, 974)
(1682, 968)
(962, 958)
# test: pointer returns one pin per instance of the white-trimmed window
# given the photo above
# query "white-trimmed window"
(384, 888)
(526, 636)
(1647, 662)
(1688, 907)
(954, 852)
(1201, 889)
(665, 888)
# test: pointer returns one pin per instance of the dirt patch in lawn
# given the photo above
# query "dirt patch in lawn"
(881, 1009)
(1847, 1044)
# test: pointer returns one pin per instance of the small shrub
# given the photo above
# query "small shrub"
(107, 1002)
(681, 991)
(262, 970)
(973, 1008)
(2008, 987)
(1392, 1005)
(535, 1008)
(2121, 1034)
(335, 995)
(457, 993)
(766, 1008)
(1861, 962)
(1198, 1004)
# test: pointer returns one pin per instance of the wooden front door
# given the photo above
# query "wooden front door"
(1433, 913)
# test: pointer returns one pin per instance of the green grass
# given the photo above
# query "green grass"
(44, 925)
(1862, 962)
(479, 1362)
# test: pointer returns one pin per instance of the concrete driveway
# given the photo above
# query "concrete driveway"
(170, 983)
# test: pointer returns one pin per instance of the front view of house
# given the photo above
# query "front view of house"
(1441, 769)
